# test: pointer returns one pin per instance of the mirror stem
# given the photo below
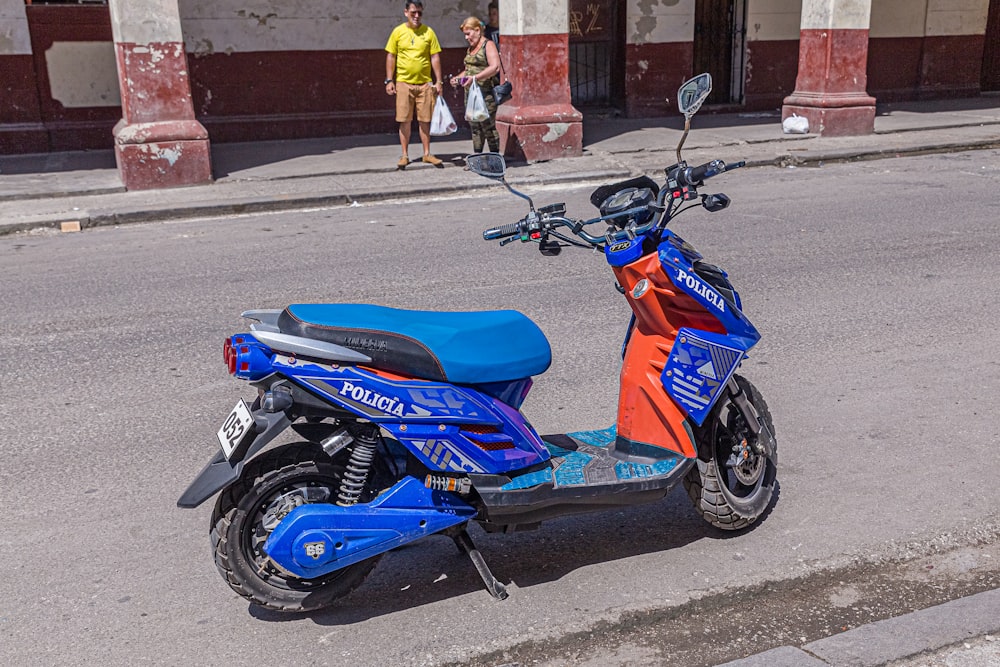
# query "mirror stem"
(687, 128)
(531, 204)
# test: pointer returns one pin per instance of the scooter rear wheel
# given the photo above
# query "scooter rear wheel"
(247, 512)
(732, 485)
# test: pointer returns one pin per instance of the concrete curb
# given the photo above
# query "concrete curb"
(96, 217)
(892, 639)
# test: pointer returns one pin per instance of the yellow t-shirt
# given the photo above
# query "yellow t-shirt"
(413, 50)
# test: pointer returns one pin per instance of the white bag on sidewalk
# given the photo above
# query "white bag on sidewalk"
(795, 125)
(475, 107)
(442, 123)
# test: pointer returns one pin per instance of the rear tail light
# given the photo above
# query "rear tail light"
(246, 358)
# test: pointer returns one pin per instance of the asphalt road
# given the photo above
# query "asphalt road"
(875, 288)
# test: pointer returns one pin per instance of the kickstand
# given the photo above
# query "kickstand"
(464, 543)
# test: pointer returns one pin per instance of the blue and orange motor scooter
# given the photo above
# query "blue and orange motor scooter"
(411, 425)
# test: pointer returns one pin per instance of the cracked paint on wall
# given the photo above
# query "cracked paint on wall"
(556, 130)
(251, 26)
(659, 21)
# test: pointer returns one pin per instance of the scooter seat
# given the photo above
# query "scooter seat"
(462, 348)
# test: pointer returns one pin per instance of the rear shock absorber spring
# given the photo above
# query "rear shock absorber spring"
(459, 485)
(358, 468)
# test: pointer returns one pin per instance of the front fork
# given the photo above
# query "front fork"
(750, 416)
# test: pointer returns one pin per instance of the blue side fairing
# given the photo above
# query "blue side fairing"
(699, 366)
(677, 257)
(511, 393)
(701, 362)
(447, 427)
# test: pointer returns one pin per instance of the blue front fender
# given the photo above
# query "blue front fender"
(314, 540)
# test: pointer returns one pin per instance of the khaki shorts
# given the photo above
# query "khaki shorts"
(410, 97)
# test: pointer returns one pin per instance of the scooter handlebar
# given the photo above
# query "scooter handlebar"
(695, 175)
(501, 231)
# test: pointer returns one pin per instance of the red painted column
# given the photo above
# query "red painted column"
(539, 122)
(830, 89)
(158, 141)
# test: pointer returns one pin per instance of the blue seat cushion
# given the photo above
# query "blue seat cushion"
(461, 348)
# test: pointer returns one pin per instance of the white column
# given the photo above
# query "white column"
(158, 141)
(539, 123)
(830, 89)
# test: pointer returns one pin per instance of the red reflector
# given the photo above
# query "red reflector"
(229, 356)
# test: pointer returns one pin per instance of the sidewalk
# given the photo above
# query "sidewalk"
(960, 633)
(45, 190)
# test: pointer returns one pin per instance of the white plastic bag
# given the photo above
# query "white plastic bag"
(795, 125)
(442, 123)
(475, 107)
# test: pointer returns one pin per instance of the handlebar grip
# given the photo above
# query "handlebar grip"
(735, 165)
(501, 231)
(695, 175)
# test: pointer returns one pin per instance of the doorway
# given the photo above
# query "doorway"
(720, 47)
(597, 53)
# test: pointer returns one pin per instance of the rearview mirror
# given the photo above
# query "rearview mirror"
(693, 93)
(490, 165)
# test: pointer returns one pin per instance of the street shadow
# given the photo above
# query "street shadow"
(326, 155)
(602, 127)
(939, 106)
(47, 163)
(434, 570)
(229, 158)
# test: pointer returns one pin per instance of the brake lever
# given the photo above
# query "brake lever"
(509, 240)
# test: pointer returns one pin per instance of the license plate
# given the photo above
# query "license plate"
(236, 428)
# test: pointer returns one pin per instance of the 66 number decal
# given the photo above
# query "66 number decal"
(236, 428)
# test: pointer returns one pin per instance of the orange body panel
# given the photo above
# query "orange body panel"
(646, 413)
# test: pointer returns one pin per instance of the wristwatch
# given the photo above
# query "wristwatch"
(387, 81)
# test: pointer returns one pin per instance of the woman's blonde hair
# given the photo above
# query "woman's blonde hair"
(470, 23)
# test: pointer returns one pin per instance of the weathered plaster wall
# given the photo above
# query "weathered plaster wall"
(83, 74)
(312, 67)
(659, 21)
(773, 20)
(772, 51)
(925, 48)
(898, 18)
(243, 26)
(956, 17)
(14, 37)
(20, 130)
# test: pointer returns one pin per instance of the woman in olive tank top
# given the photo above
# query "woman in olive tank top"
(482, 67)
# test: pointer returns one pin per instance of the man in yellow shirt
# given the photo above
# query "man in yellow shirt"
(411, 53)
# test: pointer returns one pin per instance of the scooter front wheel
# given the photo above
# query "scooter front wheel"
(733, 482)
(246, 513)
